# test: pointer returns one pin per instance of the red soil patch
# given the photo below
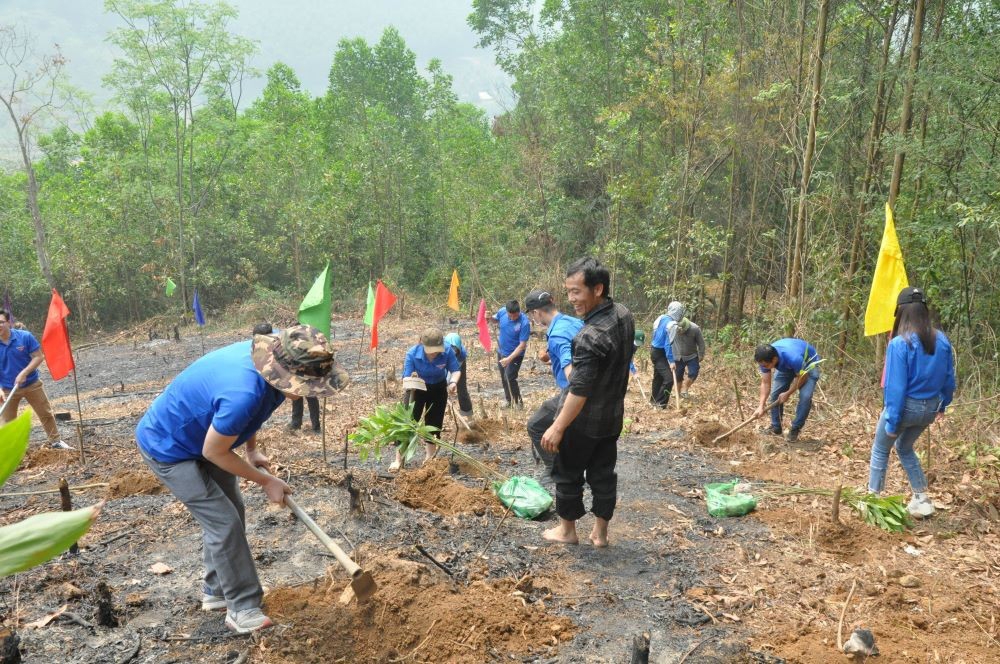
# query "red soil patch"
(47, 456)
(431, 488)
(706, 432)
(132, 483)
(417, 616)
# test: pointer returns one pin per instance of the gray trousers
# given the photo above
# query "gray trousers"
(538, 423)
(213, 498)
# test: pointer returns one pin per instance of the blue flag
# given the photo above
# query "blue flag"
(199, 317)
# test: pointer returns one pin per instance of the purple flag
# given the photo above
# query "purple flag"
(199, 317)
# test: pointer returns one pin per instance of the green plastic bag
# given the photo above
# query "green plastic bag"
(524, 496)
(723, 502)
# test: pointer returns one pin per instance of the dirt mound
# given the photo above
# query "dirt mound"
(431, 488)
(133, 483)
(416, 615)
(47, 456)
(706, 432)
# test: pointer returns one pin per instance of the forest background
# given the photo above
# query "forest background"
(733, 155)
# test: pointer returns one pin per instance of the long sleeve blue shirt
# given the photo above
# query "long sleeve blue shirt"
(432, 371)
(562, 329)
(912, 373)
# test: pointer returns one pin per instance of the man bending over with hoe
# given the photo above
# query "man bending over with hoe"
(188, 439)
(584, 436)
(794, 364)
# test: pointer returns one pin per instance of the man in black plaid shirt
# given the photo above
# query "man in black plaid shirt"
(584, 436)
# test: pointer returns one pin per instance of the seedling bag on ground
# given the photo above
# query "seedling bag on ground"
(524, 496)
(723, 502)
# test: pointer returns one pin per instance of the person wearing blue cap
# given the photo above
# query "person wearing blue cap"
(919, 384)
(454, 340)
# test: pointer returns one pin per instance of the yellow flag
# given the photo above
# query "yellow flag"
(889, 279)
(453, 293)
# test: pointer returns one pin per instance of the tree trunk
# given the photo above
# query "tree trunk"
(796, 278)
(36, 213)
(907, 113)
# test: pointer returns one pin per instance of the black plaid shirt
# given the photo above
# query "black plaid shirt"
(602, 350)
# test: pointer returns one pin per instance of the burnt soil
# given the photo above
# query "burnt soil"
(768, 587)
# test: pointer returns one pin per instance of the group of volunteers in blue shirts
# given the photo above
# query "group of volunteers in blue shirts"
(189, 435)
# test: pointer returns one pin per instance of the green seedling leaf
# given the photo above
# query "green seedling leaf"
(13, 444)
(41, 538)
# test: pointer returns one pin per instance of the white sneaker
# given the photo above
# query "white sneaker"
(920, 506)
(212, 602)
(248, 620)
(61, 445)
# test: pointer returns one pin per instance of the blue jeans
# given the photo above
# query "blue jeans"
(780, 382)
(916, 416)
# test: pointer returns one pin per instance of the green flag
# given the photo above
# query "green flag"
(315, 307)
(170, 287)
(370, 307)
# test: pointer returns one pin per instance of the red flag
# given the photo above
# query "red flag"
(55, 339)
(384, 299)
(484, 329)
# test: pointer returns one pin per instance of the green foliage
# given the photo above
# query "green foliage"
(391, 426)
(39, 538)
(887, 512)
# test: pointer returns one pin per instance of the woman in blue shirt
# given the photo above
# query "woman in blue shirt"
(919, 384)
(434, 362)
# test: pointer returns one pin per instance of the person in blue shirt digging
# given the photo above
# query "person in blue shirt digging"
(434, 362)
(794, 365)
(512, 340)
(559, 354)
(189, 436)
(454, 340)
(919, 384)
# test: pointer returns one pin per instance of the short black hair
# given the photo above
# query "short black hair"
(6, 316)
(513, 307)
(263, 328)
(764, 353)
(593, 273)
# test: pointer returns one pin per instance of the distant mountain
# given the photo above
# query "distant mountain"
(301, 33)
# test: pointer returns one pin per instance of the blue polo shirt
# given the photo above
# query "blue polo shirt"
(432, 371)
(512, 332)
(15, 356)
(793, 354)
(660, 336)
(562, 329)
(912, 373)
(222, 389)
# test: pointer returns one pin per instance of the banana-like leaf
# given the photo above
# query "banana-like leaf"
(13, 444)
(40, 538)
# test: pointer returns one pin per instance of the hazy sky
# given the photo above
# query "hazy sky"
(301, 33)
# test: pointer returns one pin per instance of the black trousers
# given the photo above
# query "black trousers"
(508, 376)
(663, 378)
(584, 458)
(297, 410)
(431, 404)
(538, 423)
(464, 400)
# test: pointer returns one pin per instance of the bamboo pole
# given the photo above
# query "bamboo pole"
(79, 417)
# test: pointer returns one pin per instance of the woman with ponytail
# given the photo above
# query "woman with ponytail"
(919, 383)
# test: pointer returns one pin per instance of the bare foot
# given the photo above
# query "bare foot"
(598, 540)
(431, 452)
(561, 535)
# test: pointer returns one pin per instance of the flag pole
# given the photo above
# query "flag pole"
(376, 376)
(323, 435)
(79, 415)
(362, 349)
(201, 335)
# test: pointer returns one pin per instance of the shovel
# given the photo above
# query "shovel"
(362, 583)
(7, 400)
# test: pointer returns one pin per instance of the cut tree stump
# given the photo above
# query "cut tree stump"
(640, 649)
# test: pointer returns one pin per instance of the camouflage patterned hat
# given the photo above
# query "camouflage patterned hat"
(299, 361)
